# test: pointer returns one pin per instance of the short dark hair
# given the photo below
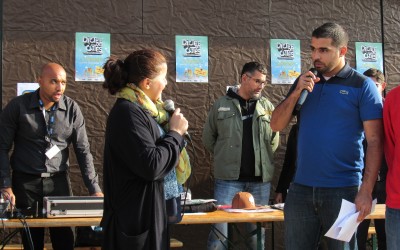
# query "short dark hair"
(250, 67)
(379, 76)
(332, 30)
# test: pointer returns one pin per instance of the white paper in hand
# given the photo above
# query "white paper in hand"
(346, 224)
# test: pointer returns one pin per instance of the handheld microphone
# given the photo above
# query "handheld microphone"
(303, 96)
(169, 106)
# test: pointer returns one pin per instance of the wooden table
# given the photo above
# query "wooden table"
(220, 216)
(207, 218)
(379, 212)
(203, 218)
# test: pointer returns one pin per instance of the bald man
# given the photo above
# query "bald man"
(40, 126)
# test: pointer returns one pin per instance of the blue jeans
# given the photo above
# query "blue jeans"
(392, 228)
(310, 212)
(223, 193)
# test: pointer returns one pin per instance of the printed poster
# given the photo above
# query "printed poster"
(26, 87)
(91, 52)
(191, 58)
(368, 55)
(285, 61)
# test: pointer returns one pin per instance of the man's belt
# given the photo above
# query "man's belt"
(47, 175)
(43, 175)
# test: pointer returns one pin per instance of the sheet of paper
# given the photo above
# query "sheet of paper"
(199, 213)
(278, 206)
(259, 210)
(198, 201)
(346, 223)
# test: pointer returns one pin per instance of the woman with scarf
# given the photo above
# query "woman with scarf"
(145, 161)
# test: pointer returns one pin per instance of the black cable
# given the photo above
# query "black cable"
(4, 230)
(230, 242)
(5, 199)
(8, 238)
(27, 232)
(190, 177)
(21, 218)
(4, 212)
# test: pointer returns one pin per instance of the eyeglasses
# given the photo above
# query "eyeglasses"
(258, 81)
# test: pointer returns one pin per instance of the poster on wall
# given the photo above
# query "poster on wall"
(26, 87)
(285, 61)
(91, 52)
(368, 55)
(191, 58)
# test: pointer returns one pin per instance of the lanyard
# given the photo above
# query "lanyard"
(50, 122)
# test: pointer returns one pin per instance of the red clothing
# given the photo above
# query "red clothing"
(391, 123)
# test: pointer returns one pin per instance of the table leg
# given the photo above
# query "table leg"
(259, 240)
(230, 233)
(273, 235)
(232, 226)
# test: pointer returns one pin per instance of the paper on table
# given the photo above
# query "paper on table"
(197, 213)
(197, 201)
(258, 210)
(346, 224)
(278, 206)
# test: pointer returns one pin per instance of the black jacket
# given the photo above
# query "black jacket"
(135, 164)
(289, 164)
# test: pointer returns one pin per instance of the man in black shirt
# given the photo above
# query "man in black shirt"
(288, 167)
(379, 191)
(41, 125)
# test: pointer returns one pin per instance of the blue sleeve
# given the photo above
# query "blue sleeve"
(370, 101)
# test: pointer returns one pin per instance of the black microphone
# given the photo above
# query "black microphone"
(169, 106)
(303, 96)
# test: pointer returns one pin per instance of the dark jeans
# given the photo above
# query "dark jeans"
(362, 231)
(310, 212)
(392, 228)
(29, 191)
(224, 191)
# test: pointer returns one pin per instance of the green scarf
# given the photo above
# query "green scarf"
(134, 94)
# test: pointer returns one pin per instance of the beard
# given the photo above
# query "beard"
(323, 68)
(256, 96)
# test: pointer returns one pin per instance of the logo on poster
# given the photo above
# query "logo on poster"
(93, 45)
(286, 51)
(191, 48)
(369, 53)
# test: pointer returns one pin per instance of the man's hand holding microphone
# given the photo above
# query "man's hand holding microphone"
(305, 85)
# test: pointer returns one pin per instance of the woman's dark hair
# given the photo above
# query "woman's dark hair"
(138, 66)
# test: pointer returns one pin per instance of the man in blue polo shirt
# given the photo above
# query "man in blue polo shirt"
(342, 107)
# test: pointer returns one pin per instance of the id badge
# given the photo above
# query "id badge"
(52, 152)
